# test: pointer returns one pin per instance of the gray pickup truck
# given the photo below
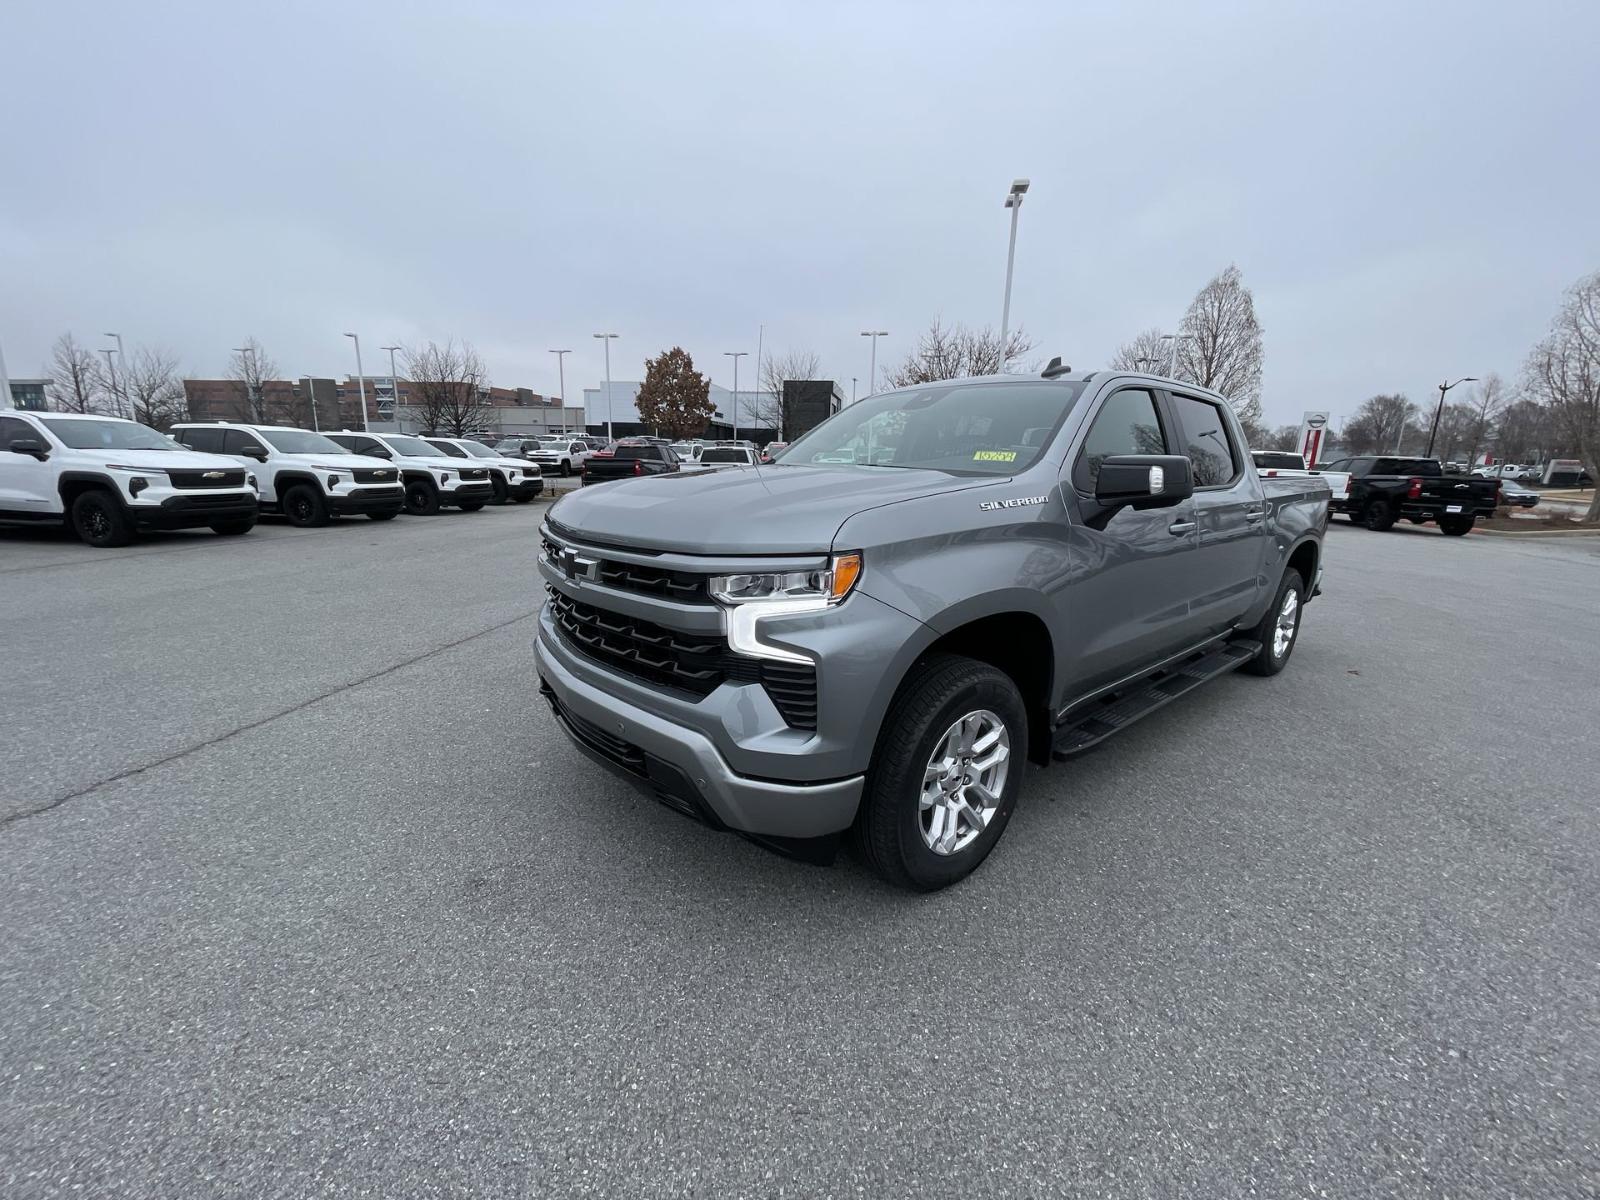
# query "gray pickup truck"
(932, 588)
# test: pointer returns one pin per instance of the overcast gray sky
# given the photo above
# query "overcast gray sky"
(1407, 188)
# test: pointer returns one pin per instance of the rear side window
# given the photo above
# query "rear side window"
(1206, 442)
(207, 441)
(1127, 423)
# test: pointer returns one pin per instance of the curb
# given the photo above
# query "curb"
(1538, 533)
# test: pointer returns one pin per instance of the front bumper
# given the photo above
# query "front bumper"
(367, 500)
(467, 493)
(194, 510)
(525, 487)
(682, 766)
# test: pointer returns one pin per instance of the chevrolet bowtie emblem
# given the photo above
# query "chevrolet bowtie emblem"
(212, 475)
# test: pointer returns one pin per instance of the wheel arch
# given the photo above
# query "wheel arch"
(73, 484)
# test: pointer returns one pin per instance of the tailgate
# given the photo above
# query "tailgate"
(1453, 494)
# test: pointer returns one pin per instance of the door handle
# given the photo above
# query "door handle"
(1178, 528)
(1254, 514)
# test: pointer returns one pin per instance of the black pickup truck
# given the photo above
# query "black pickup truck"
(629, 457)
(1385, 490)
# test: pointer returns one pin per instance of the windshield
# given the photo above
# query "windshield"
(412, 447)
(478, 450)
(960, 427)
(452, 450)
(301, 441)
(108, 435)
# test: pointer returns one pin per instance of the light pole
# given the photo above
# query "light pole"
(5, 384)
(111, 368)
(605, 339)
(122, 396)
(872, 373)
(361, 381)
(1019, 188)
(1172, 353)
(252, 401)
(1439, 408)
(311, 394)
(736, 355)
(394, 388)
(561, 370)
(852, 389)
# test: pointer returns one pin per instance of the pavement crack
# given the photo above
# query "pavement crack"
(50, 806)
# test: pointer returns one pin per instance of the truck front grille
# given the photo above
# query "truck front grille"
(686, 662)
(473, 472)
(206, 479)
(375, 475)
(682, 586)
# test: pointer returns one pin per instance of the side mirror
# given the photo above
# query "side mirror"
(255, 452)
(32, 447)
(1143, 481)
(380, 452)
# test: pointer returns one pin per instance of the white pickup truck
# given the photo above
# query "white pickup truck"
(514, 479)
(1272, 464)
(432, 478)
(302, 474)
(107, 478)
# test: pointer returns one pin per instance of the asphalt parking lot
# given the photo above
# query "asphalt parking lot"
(306, 896)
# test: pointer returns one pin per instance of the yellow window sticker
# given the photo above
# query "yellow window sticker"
(994, 456)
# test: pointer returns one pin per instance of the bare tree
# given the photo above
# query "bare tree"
(76, 376)
(1487, 405)
(1285, 438)
(449, 386)
(250, 365)
(1525, 431)
(1563, 373)
(956, 352)
(1146, 352)
(150, 380)
(1379, 425)
(1219, 344)
(778, 369)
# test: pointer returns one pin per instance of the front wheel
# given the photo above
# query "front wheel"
(1456, 526)
(501, 492)
(422, 498)
(1279, 627)
(304, 506)
(946, 775)
(234, 528)
(1378, 516)
(566, 467)
(98, 519)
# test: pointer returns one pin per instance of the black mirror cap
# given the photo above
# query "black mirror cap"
(1144, 480)
(31, 446)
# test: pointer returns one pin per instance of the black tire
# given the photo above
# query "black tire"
(502, 493)
(382, 516)
(939, 690)
(1378, 516)
(566, 467)
(98, 519)
(1268, 660)
(422, 498)
(304, 506)
(235, 527)
(526, 499)
(1457, 526)
(471, 506)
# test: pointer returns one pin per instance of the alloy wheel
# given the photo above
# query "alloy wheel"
(963, 782)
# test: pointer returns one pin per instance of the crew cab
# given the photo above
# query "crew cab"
(629, 458)
(564, 455)
(432, 478)
(106, 478)
(302, 475)
(1385, 489)
(513, 479)
(1272, 464)
(930, 590)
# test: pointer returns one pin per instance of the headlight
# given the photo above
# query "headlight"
(830, 585)
(752, 598)
(444, 476)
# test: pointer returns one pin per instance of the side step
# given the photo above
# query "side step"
(1115, 711)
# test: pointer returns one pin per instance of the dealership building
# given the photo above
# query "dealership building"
(806, 402)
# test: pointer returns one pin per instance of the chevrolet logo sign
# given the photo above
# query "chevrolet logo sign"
(212, 475)
(579, 568)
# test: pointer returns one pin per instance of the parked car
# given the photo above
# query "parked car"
(107, 478)
(562, 455)
(1383, 490)
(819, 647)
(1274, 463)
(513, 479)
(432, 479)
(302, 475)
(1508, 471)
(630, 458)
(713, 457)
(770, 452)
(1517, 494)
(687, 452)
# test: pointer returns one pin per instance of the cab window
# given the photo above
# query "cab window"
(1127, 423)
(1212, 455)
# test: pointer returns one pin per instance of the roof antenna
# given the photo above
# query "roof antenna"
(1056, 367)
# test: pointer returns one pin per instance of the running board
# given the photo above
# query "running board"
(1117, 710)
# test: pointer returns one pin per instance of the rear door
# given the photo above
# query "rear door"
(1127, 602)
(1230, 510)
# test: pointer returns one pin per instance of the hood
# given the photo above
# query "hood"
(757, 510)
(349, 462)
(162, 460)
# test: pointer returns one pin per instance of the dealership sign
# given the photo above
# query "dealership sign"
(1313, 431)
